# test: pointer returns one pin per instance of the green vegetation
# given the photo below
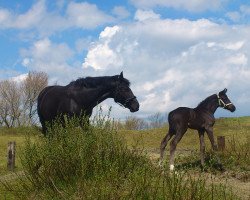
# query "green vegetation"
(98, 162)
(235, 130)
(14, 134)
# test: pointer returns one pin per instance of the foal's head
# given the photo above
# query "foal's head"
(124, 95)
(224, 101)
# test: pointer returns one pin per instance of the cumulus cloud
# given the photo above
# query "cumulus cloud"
(174, 63)
(52, 58)
(142, 15)
(19, 78)
(77, 15)
(85, 15)
(191, 5)
(101, 56)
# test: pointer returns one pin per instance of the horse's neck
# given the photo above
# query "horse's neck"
(209, 107)
(103, 95)
(99, 94)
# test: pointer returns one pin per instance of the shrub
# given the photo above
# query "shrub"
(94, 162)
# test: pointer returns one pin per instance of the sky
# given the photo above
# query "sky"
(175, 53)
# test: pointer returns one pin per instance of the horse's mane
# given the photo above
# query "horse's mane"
(92, 82)
(205, 101)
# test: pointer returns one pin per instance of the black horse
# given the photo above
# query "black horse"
(200, 118)
(81, 96)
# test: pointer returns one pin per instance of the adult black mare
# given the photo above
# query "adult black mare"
(81, 96)
(200, 118)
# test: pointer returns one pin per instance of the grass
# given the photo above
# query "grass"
(100, 163)
(239, 128)
(14, 134)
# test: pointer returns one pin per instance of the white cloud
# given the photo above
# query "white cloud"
(19, 78)
(121, 12)
(168, 68)
(83, 44)
(85, 15)
(191, 5)
(101, 56)
(32, 17)
(26, 20)
(5, 17)
(39, 18)
(234, 16)
(142, 15)
(52, 58)
(241, 15)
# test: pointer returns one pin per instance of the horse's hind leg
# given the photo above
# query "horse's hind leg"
(164, 144)
(179, 133)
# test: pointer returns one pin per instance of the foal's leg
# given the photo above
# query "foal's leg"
(179, 133)
(214, 145)
(164, 144)
(202, 146)
(210, 134)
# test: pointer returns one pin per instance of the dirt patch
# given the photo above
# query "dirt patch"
(237, 181)
(240, 188)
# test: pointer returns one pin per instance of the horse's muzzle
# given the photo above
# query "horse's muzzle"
(134, 109)
(231, 108)
(134, 106)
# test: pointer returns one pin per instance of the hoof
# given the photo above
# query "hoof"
(171, 167)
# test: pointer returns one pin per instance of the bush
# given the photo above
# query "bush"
(94, 162)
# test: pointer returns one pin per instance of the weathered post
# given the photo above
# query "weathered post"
(221, 143)
(11, 155)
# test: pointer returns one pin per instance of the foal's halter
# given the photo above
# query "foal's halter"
(222, 103)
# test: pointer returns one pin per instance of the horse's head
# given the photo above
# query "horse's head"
(123, 94)
(224, 101)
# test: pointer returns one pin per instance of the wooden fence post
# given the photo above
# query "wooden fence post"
(221, 143)
(11, 155)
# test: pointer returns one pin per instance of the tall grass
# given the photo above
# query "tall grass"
(94, 162)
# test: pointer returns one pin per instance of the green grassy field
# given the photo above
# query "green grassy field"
(150, 139)
(235, 159)
(13, 134)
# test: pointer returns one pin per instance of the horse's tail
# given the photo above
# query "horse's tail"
(40, 101)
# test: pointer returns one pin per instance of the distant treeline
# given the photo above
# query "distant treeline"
(156, 120)
(18, 99)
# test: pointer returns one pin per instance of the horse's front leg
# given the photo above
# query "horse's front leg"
(202, 147)
(214, 146)
(210, 134)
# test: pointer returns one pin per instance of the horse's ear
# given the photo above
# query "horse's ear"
(121, 76)
(223, 91)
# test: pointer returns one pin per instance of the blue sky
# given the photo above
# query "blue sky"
(175, 53)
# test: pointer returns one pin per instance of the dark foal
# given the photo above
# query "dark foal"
(200, 118)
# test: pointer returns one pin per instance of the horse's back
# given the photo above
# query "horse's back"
(180, 114)
(180, 111)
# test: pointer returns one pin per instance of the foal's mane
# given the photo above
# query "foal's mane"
(92, 82)
(206, 101)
